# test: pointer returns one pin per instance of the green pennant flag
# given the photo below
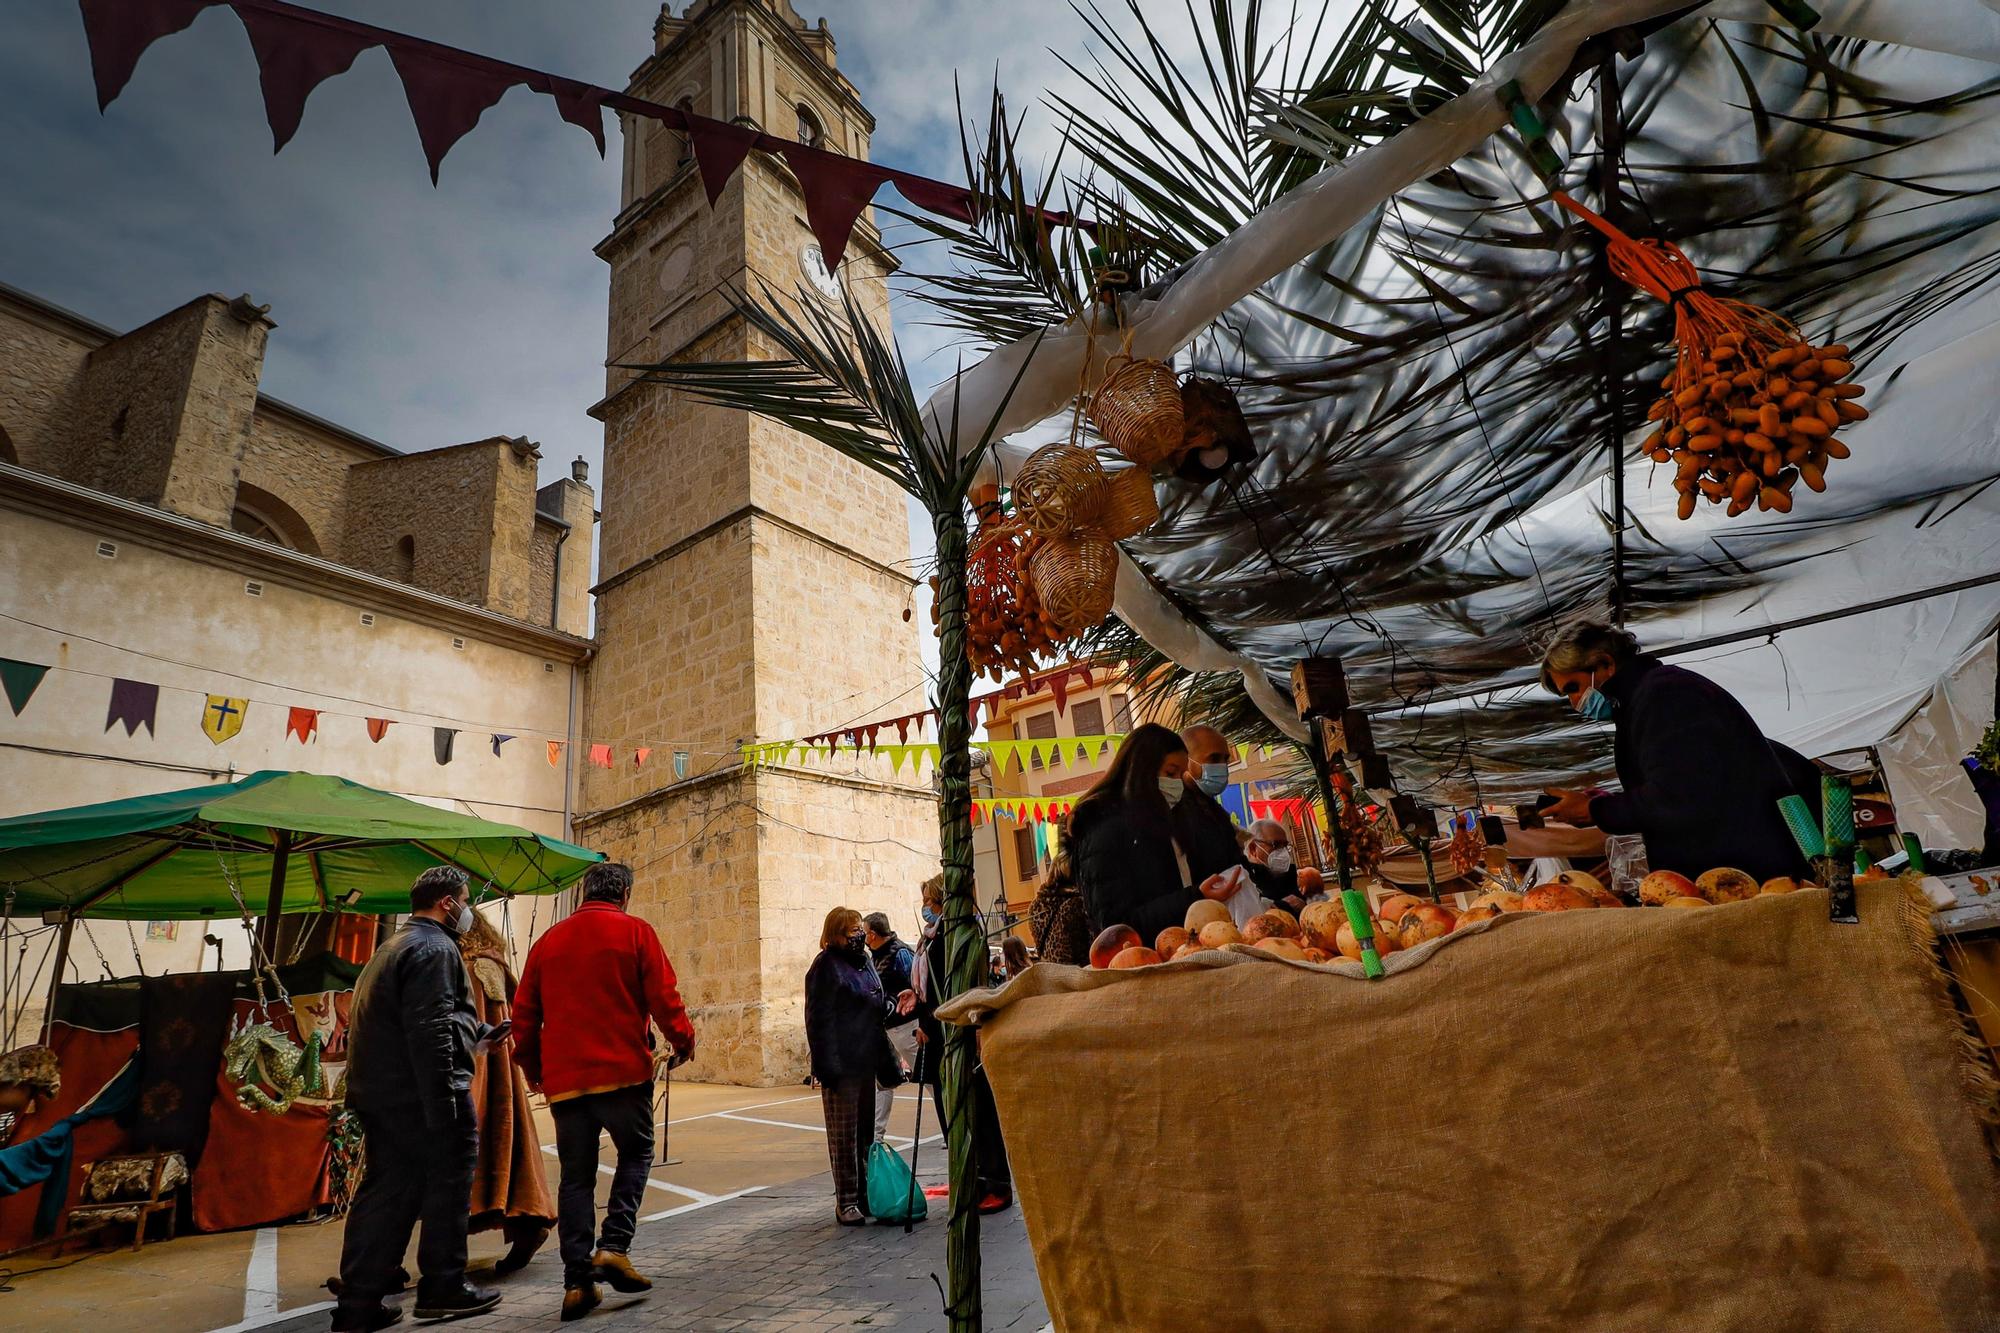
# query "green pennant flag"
(1044, 751)
(21, 680)
(1243, 753)
(1001, 751)
(898, 756)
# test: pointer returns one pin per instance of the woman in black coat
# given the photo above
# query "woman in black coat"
(846, 1009)
(1121, 839)
(1701, 782)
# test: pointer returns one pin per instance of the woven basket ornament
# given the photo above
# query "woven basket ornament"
(1075, 578)
(1138, 409)
(1130, 506)
(1059, 489)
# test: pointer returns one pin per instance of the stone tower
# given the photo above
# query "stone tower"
(752, 583)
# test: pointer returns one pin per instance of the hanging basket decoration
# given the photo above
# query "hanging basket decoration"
(1751, 407)
(1075, 578)
(1214, 435)
(1130, 507)
(1060, 489)
(1138, 410)
(1005, 627)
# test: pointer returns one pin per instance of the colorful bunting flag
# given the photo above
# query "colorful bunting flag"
(600, 755)
(555, 754)
(21, 680)
(442, 741)
(378, 727)
(446, 97)
(639, 756)
(499, 739)
(222, 717)
(133, 702)
(681, 761)
(119, 33)
(303, 723)
(295, 56)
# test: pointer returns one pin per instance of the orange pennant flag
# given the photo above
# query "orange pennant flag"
(377, 727)
(600, 755)
(555, 754)
(303, 723)
(639, 756)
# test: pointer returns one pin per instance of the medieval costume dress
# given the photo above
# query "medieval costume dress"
(509, 1188)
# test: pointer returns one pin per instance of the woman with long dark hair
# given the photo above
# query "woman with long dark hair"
(1121, 838)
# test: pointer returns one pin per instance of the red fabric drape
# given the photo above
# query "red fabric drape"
(89, 1061)
(259, 1167)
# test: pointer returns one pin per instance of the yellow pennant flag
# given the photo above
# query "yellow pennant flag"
(1044, 751)
(222, 717)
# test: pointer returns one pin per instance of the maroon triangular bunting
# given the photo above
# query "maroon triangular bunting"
(836, 189)
(1059, 687)
(578, 103)
(446, 97)
(719, 148)
(294, 57)
(119, 31)
(936, 197)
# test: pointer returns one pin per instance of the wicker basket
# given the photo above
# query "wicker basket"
(1075, 579)
(1059, 489)
(1130, 506)
(1138, 409)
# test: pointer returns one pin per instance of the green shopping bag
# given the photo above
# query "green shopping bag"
(893, 1195)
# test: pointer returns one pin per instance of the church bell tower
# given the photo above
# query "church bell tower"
(752, 583)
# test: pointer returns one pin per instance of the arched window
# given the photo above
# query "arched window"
(406, 559)
(810, 132)
(262, 515)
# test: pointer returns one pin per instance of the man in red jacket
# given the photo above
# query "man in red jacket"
(588, 989)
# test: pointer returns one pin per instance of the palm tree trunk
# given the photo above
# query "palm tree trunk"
(965, 940)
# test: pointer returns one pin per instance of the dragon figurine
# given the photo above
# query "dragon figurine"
(259, 1056)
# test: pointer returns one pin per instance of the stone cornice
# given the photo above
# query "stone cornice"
(75, 506)
(745, 514)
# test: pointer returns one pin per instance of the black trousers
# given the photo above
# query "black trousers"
(995, 1176)
(627, 1115)
(413, 1173)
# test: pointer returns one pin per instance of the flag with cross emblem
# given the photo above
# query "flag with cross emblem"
(223, 717)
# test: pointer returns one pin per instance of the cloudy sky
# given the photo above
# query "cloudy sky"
(419, 316)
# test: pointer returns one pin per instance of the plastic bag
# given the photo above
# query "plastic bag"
(892, 1192)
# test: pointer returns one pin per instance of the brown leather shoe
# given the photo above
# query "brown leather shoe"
(616, 1269)
(579, 1301)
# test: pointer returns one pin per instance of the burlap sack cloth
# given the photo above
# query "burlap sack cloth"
(1737, 1117)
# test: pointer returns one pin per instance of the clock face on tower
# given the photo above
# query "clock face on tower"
(813, 264)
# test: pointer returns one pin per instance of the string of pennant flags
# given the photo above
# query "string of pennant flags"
(1062, 750)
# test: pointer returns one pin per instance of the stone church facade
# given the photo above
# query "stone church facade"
(162, 519)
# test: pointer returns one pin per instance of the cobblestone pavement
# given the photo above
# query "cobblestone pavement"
(776, 1260)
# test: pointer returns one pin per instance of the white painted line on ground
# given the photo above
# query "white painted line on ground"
(704, 1203)
(759, 1106)
(260, 1280)
(274, 1317)
(781, 1124)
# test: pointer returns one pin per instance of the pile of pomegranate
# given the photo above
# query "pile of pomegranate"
(1321, 933)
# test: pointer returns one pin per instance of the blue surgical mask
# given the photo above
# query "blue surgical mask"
(1214, 779)
(1595, 704)
(1173, 789)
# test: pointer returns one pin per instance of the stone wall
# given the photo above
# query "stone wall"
(466, 512)
(572, 501)
(542, 573)
(306, 466)
(737, 873)
(42, 360)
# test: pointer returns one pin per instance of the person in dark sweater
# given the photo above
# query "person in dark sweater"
(1133, 866)
(894, 961)
(846, 1010)
(1700, 782)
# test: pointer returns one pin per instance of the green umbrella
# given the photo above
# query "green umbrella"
(186, 854)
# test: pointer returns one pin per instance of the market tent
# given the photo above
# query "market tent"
(191, 853)
(1421, 338)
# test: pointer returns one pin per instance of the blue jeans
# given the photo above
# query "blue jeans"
(627, 1115)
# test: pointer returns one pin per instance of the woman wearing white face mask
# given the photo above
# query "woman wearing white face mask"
(1129, 865)
(1701, 782)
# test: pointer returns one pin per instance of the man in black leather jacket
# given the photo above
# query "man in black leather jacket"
(411, 1035)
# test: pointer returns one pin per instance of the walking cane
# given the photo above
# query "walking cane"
(660, 1158)
(916, 1148)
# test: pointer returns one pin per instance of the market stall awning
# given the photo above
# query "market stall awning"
(191, 853)
(1424, 344)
